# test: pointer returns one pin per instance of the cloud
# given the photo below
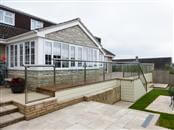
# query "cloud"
(128, 28)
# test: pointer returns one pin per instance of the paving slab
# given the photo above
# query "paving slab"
(159, 85)
(161, 104)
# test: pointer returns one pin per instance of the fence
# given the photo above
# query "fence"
(72, 73)
(163, 76)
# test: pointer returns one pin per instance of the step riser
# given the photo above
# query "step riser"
(6, 103)
(11, 122)
(8, 112)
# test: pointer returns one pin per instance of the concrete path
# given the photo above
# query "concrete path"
(91, 116)
(161, 104)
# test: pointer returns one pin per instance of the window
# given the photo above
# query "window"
(72, 56)
(95, 57)
(1, 16)
(21, 54)
(16, 55)
(7, 17)
(101, 58)
(32, 52)
(57, 53)
(48, 52)
(65, 55)
(11, 56)
(36, 24)
(7, 54)
(27, 52)
(79, 56)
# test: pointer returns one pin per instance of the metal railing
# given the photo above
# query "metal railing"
(72, 73)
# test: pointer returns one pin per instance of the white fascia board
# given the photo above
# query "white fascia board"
(91, 37)
(22, 38)
(3, 41)
(109, 56)
(42, 33)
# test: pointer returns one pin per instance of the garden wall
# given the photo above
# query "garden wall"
(131, 89)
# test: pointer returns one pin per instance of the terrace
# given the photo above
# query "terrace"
(113, 83)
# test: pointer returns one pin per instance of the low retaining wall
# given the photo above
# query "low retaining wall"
(131, 89)
(109, 97)
(39, 108)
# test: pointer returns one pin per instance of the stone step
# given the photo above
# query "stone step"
(11, 119)
(5, 103)
(7, 109)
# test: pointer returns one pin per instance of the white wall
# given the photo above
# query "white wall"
(131, 90)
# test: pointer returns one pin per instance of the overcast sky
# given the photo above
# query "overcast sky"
(128, 28)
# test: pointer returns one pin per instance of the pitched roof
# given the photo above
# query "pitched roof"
(108, 53)
(21, 12)
(7, 31)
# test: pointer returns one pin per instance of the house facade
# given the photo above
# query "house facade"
(28, 40)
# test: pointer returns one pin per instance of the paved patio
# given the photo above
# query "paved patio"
(91, 116)
(161, 104)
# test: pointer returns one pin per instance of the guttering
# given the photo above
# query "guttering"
(3, 41)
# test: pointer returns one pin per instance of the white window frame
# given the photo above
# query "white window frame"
(45, 52)
(64, 56)
(88, 50)
(5, 15)
(36, 24)
(16, 55)
(21, 56)
(80, 64)
(57, 62)
(75, 56)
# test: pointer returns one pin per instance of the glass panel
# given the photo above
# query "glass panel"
(9, 18)
(65, 55)
(32, 52)
(27, 52)
(36, 24)
(11, 56)
(95, 57)
(48, 50)
(57, 53)
(85, 53)
(72, 56)
(79, 56)
(16, 55)
(48, 59)
(1, 16)
(21, 54)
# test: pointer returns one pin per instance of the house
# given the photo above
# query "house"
(29, 40)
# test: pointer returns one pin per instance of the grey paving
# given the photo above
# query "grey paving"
(89, 116)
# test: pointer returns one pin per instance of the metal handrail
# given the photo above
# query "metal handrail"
(84, 65)
(145, 84)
